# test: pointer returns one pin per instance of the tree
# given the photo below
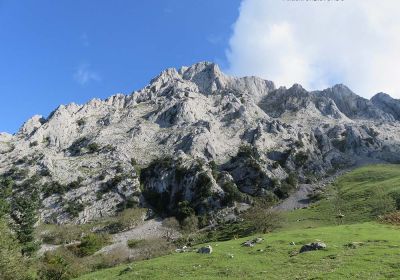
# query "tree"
(5, 192)
(24, 214)
(12, 264)
(190, 224)
(184, 210)
(260, 219)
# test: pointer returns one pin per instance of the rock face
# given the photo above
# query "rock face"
(193, 135)
(387, 104)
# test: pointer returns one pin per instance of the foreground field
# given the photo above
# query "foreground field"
(377, 257)
(357, 246)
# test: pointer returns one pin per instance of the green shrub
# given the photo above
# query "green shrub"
(21, 160)
(286, 187)
(260, 219)
(184, 210)
(45, 172)
(172, 225)
(180, 173)
(232, 193)
(81, 122)
(61, 234)
(51, 188)
(33, 144)
(301, 158)
(102, 177)
(90, 244)
(396, 198)
(112, 184)
(93, 148)
(248, 151)
(125, 220)
(190, 224)
(128, 203)
(134, 243)
(75, 184)
(150, 248)
(214, 169)
(316, 196)
(203, 186)
(6, 188)
(73, 208)
(16, 173)
(61, 265)
(76, 147)
(292, 180)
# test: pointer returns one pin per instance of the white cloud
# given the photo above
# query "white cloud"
(319, 43)
(84, 75)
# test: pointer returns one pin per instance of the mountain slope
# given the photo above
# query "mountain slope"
(204, 134)
(357, 246)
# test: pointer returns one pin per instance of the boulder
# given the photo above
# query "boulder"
(252, 243)
(205, 250)
(248, 243)
(313, 247)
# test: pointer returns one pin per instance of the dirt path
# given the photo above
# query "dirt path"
(150, 229)
(299, 199)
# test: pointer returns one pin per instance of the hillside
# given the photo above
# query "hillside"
(193, 134)
(275, 258)
(196, 156)
(359, 248)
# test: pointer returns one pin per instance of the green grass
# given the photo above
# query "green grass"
(355, 195)
(378, 258)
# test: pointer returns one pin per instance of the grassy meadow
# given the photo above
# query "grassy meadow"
(358, 245)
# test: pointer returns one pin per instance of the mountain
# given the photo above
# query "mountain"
(387, 104)
(195, 135)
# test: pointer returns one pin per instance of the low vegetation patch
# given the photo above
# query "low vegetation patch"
(391, 218)
(90, 244)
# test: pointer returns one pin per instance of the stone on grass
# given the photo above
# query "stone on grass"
(205, 250)
(313, 247)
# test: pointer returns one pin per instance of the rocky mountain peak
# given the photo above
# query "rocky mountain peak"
(387, 104)
(195, 134)
(206, 75)
(32, 125)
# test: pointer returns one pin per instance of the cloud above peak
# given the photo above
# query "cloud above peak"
(319, 43)
(84, 74)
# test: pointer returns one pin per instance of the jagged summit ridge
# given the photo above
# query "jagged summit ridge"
(185, 119)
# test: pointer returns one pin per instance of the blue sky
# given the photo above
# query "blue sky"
(57, 52)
